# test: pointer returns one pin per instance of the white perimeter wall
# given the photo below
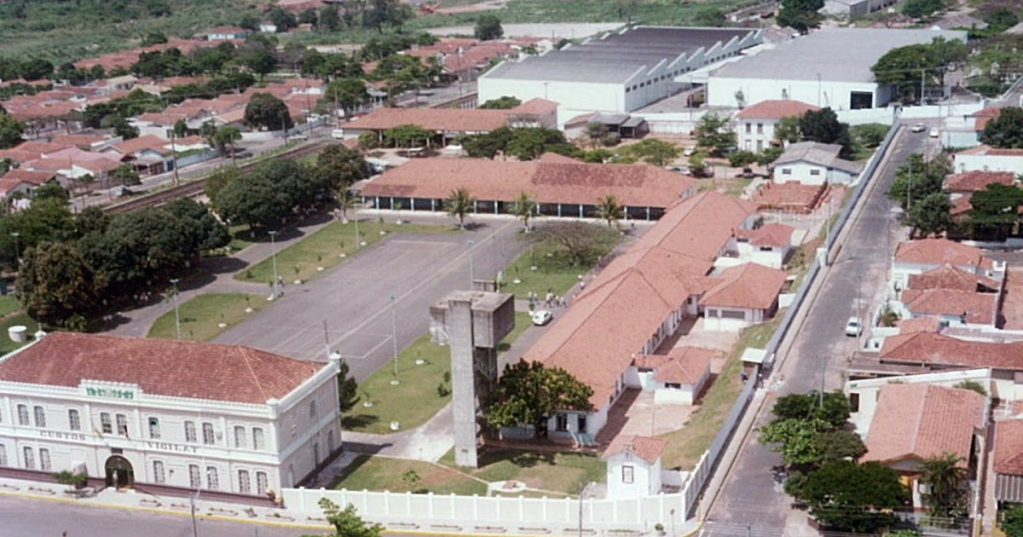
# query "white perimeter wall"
(721, 91)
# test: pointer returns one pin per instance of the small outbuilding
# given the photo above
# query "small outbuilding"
(634, 466)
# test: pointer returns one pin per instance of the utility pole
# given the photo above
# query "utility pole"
(177, 318)
(923, 82)
(394, 336)
(174, 158)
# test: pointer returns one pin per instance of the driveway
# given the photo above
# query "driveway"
(751, 502)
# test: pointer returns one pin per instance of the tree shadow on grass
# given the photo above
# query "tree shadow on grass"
(522, 459)
(358, 422)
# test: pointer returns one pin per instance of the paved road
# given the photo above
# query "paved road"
(354, 298)
(750, 496)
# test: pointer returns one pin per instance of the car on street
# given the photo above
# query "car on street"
(933, 133)
(919, 127)
(853, 327)
(541, 317)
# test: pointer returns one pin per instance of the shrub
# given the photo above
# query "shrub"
(741, 158)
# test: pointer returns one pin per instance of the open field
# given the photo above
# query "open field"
(201, 316)
(563, 473)
(552, 272)
(401, 475)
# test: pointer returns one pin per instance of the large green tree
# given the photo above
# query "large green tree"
(994, 211)
(580, 243)
(408, 136)
(224, 140)
(832, 407)
(1012, 522)
(529, 393)
(338, 166)
(945, 477)
(917, 178)
(266, 111)
(530, 143)
(822, 126)
(1006, 130)
(714, 133)
(657, 152)
(845, 496)
(800, 15)
(931, 215)
(46, 220)
(795, 440)
(488, 27)
(345, 95)
(487, 145)
(252, 200)
(919, 9)
(56, 284)
(10, 131)
(501, 103)
(347, 522)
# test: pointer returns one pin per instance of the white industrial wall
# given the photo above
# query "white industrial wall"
(994, 163)
(580, 96)
(721, 91)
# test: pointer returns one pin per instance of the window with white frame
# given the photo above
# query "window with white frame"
(158, 473)
(23, 415)
(628, 474)
(261, 482)
(257, 438)
(40, 416)
(122, 425)
(154, 427)
(194, 477)
(312, 409)
(190, 432)
(3, 455)
(74, 420)
(212, 481)
(239, 436)
(105, 423)
(30, 458)
(815, 172)
(561, 421)
(44, 459)
(244, 486)
(786, 171)
(207, 434)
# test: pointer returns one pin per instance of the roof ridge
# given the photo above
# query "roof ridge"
(248, 365)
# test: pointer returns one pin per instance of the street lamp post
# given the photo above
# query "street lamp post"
(472, 276)
(273, 249)
(17, 249)
(177, 317)
(191, 501)
(394, 336)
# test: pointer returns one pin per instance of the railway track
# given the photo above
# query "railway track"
(196, 187)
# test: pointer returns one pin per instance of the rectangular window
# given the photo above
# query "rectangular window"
(257, 439)
(207, 434)
(316, 453)
(854, 402)
(786, 171)
(190, 432)
(158, 474)
(239, 436)
(194, 478)
(561, 422)
(672, 385)
(261, 483)
(154, 427)
(40, 416)
(312, 409)
(122, 425)
(760, 145)
(628, 474)
(105, 423)
(44, 459)
(23, 415)
(330, 441)
(3, 455)
(212, 482)
(30, 459)
(760, 128)
(74, 420)
(815, 172)
(244, 486)
(581, 423)
(749, 128)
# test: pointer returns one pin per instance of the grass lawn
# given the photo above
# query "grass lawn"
(552, 272)
(382, 473)
(324, 249)
(686, 446)
(416, 398)
(8, 305)
(201, 316)
(563, 473)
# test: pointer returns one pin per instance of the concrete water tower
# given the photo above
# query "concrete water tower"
(472, 323)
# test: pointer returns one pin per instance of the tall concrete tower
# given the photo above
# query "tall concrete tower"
(472, 323)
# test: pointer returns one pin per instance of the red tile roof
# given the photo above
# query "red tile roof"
(773, 235)
(142, 143)
(682, 365)
(789, 197)
(950, 278)
(775, 109)
(550, 180)
(991, 151)
(977, 308)
(934, 349)
(984, 115)
(536, 106)
(918, 324)
(647, 448)
(960, 206)
(597, 338)
(28, 176)
(940, 252)
(920, 421)
(1008, 455)
(160, 367)
(977, 180)
(432, 119)
(747, 286)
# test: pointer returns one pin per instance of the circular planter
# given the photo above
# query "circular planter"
(342, 256)
(382, 232)
(367, 404)
(363, 243)
(298, 282)
(395, 426)
(222, 325)
(319, 269)
(395, 382)
(516, 281)
(420, 362)
(248, 310)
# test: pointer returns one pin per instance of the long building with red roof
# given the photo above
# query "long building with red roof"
(189, 415)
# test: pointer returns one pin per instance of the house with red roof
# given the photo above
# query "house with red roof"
(226, 33)
(680, 376)
(990, 159)
(755, 124)
(173, 415)
(634, 466)
(742, 296)
(919, 256)
(1007, 463)
(768, 245)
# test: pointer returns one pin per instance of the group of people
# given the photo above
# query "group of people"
(550, 299)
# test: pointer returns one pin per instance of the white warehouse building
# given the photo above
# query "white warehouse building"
(828, 68)
(162, 413)
(619, 73)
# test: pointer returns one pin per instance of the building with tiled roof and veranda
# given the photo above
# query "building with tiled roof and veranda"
(165, 413)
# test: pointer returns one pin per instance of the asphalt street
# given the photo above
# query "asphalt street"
(355, 298)
(751, 500)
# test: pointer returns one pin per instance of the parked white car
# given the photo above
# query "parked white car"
(933, 133)
(853, 327)
(337, 134)
(919, 127)
(541, 317)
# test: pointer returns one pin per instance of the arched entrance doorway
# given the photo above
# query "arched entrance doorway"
(119, 472)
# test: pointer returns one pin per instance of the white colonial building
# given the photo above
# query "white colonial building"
(169, 413)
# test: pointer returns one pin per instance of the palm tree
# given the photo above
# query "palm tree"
(523, 208)
(609, 210)
(943, 476)
(459, 204)
(345, 200)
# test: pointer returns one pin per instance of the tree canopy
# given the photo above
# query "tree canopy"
(488, 27)
(347, 522)
(10, 131)
(714, 133)
(501, 103)
(845, 496)
(529, 393)
(1006, 130)
(653, 151)
(931, 215)
(917, 178)
(822, 126)
(994, 211)
(266, 111)
(581, 242)
(800, 15)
